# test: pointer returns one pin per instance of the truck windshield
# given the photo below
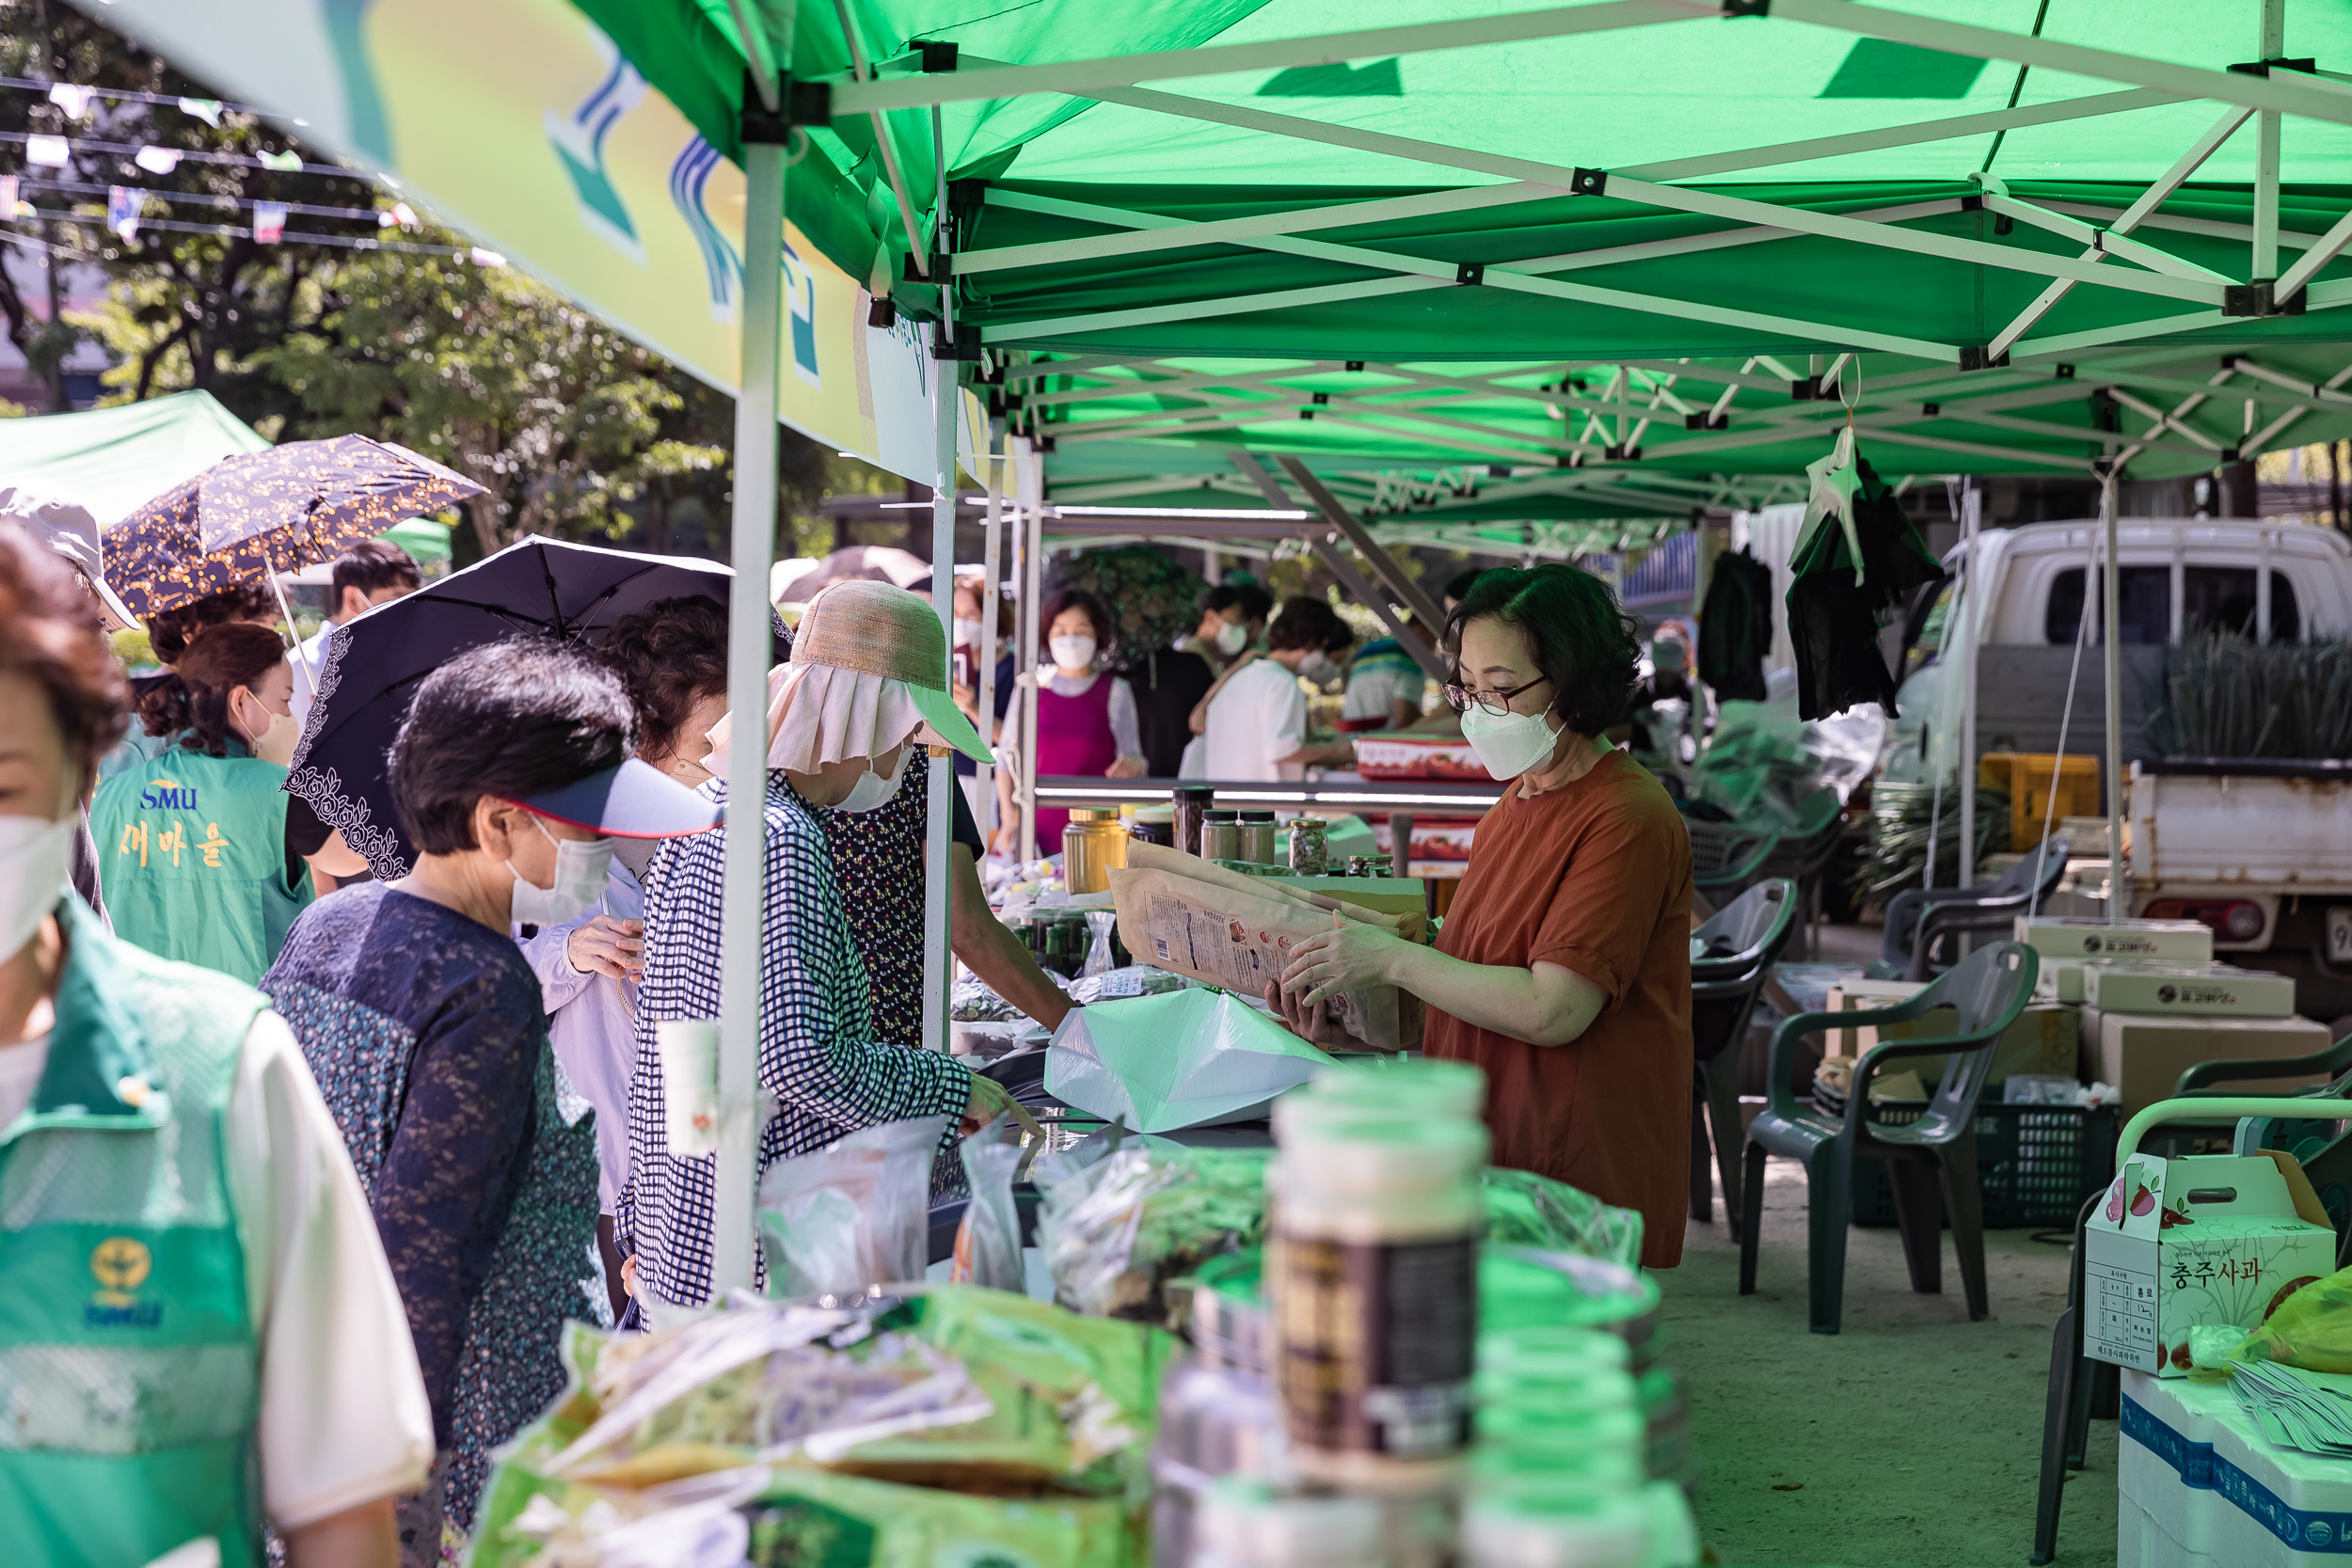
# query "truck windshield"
(2213, 598)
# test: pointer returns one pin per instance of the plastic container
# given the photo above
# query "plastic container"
(1153, 825)
(1514, 1531)
(1428, 1086)
(1374, 1276)
(1092, 845)
(1257, 837)
(1311, 846)
(1189, 805)
(2035, 1164)
(1249, 1525)
(1220, 835)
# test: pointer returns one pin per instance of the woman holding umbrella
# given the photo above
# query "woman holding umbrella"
(203, 855)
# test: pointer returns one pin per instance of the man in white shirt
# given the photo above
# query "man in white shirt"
(1253, 721)
(373, 572)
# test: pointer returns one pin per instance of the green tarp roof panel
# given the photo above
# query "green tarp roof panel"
(1797, 181)
(112, 460)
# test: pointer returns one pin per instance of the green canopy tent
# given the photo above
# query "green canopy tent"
(112, 460)
(1988, 191)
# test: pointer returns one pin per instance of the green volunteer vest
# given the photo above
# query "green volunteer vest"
(130, 1380)
(192, 856)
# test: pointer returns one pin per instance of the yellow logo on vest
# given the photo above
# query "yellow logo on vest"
(120, 1264)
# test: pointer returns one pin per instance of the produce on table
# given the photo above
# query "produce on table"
(909, 1425)
(1117, 1231)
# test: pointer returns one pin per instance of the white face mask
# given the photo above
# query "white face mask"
(874, 789)
(276, 743)
(1318, 668)
(1072, 652)
(582, 865)
(967, 632)
(1509, 743)
(35, 855)
(1231, 638)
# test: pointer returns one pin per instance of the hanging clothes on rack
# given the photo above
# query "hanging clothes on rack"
(1854, 565)
(1736, 627)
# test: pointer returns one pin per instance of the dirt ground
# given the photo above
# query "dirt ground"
(1913, 1439)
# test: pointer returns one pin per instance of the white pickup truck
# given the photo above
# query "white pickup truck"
(2262, 852)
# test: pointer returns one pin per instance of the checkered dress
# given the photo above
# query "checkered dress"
(817, 1052)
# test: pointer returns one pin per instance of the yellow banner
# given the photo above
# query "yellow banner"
(517, 123)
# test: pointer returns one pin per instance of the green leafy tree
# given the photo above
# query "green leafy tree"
(573, 429)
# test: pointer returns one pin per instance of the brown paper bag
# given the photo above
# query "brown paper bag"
(1226, 930)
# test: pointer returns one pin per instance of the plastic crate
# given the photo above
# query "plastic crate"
(2035, 1164)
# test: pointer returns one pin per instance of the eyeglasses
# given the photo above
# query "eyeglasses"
(1496, 703)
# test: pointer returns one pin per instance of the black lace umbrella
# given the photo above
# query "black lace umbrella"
(374, 663)
(251, 516)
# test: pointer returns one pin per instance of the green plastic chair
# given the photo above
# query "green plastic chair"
(1987, 989)
(1730, 957)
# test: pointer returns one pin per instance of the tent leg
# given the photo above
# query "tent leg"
(984, 678)
(2111, 639)
(938, 961)
(1031, 478)
(748, 652)
(1971, 509)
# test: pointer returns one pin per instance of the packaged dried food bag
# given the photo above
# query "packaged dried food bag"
(954, 1423)
(1527, 1210)
(988, 1242)
(1115, 1232)
(1186, 1059)
(854, 1213)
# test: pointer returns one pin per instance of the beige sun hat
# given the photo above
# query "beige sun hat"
(868, 671)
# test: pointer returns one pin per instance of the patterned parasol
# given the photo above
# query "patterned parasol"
(257, 514)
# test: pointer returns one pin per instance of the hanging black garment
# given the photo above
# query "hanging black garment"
(1834, 621)
(1736, 627)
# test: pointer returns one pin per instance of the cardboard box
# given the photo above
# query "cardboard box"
(2160, 989)
(1184, 915)
(2166, 941)
(2061, 980)
(2145, 1056)
(2046, 1038)
(2201, 1240)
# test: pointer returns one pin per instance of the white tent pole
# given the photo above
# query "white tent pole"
(2265, 257)
(984, 679)
(1031, 477)
(749, 649)
(939, 962)
(2110, 633)
(1971, 509)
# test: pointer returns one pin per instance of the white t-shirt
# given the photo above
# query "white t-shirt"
(1259, 716)
(345, 1418)
(309, 655)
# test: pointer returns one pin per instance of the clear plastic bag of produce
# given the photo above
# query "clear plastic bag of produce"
(1185, 1058)
(2307, 1324)
(901, 1433)
(1527, 1210)
(853, 1214)
(988, 1243)
(1117, 1231)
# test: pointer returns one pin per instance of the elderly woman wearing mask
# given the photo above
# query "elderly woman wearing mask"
(867, 684)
